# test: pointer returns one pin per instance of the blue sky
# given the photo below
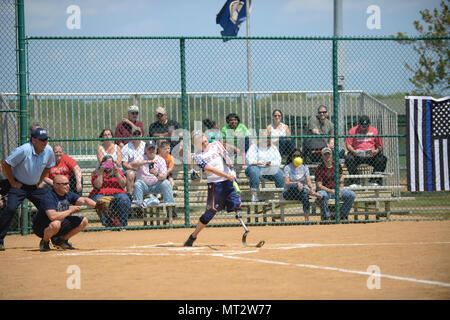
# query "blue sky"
(212, 65)
(197, 17)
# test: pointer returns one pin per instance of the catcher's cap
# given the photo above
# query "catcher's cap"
(133, 108)
(326, 150)
(150, 144)
(39, 133)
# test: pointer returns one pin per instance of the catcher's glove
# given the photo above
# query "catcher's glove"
(102, 205)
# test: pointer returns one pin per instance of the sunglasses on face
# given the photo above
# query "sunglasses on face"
(322, 112)
(134, 113)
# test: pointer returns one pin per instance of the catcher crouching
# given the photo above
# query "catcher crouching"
(55, 221)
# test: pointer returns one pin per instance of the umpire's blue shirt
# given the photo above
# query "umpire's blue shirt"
(27, 165)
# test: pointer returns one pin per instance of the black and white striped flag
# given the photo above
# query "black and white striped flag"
(427, 143)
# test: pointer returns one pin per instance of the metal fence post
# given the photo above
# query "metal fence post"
(336, 127)
(186, 140)
(22, 82)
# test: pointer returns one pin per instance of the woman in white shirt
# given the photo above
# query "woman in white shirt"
(279, 129)
(108, 147)
(297, 182)
(263, 160)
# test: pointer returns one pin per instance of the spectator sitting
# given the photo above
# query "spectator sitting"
(320, 125)
(68, 167)
(325, 182)
(279, 129)
(213, 131)
(297, 182)
(164, 127)
(151, 176)
(127, 126)
(108, 147)
(231, 131)
(164, 152)
(132, 151)
(108, 180)
(55, 220)
(365, 150)
(263, 161)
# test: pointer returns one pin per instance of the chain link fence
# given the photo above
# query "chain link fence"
(80, 87)
(9, 135)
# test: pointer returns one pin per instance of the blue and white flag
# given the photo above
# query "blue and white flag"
(427, 143)
(231, 16)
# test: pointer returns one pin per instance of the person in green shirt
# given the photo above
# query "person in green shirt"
(235, 128)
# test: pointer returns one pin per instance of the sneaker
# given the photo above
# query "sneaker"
(60, 243)
(255, 198)
(44, 246)
(194, 176)
(190, 241)
(374, 184)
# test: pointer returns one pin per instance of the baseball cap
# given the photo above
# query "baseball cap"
(326, 150)
(364, 121)
(39, 133)
(150, 144)
(161, 110)
(133, 108)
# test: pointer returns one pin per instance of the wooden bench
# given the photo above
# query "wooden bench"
(270, 206)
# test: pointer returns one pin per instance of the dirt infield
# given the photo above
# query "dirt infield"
(412, 260)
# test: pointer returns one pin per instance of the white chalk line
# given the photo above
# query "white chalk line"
(232, 254)
(437, 283)
(178, 250)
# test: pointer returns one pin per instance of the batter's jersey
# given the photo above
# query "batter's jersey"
(216, 156)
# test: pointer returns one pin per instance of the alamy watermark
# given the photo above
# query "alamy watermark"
(74, 280)
(374, 280)
(74, 20)
(374, 20)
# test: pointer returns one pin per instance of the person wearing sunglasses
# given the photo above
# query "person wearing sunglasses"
(26, 168)
(127, 126)
(55, 219)
(320, 125)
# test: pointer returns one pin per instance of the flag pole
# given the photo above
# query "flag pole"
(249, 81)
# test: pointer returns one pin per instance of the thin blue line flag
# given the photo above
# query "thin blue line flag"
(231, 16)
(428, 143)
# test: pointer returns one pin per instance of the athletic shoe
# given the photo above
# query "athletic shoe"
(190, 241)
(60, 243)
(255, 198)
(44, 246)
(374, 184)
(194, 176)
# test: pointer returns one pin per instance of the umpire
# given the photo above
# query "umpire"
(25, 169)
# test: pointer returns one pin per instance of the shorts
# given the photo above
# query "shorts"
(222, 195)
(68, 224)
